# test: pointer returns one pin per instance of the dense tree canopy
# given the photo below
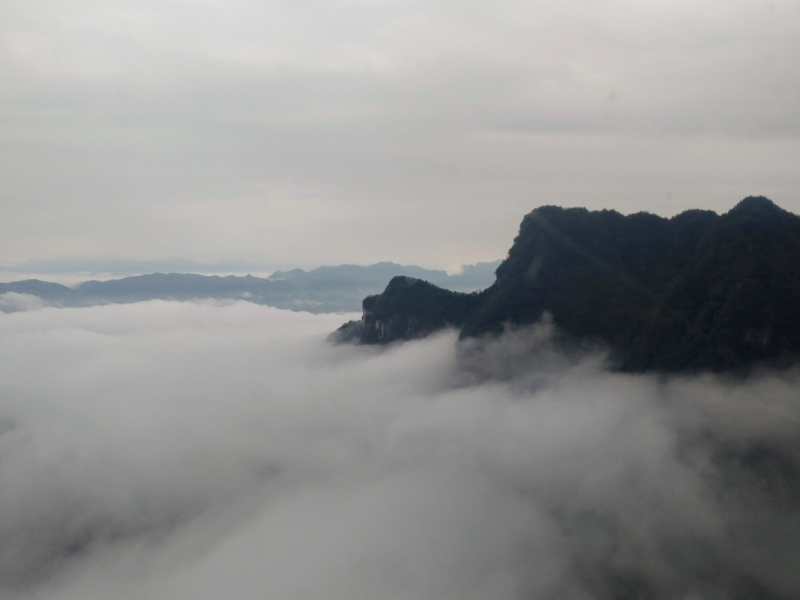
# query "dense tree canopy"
(697, 291)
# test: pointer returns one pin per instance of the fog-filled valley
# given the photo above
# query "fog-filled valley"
(227, 450)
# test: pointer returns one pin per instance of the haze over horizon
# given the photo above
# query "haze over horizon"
(327, 133)
(82, 268)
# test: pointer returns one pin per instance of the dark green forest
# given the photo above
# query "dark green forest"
(698, 291)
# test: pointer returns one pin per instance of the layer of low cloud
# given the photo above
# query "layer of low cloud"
(177, 450)
(308, 132)
(14, 302)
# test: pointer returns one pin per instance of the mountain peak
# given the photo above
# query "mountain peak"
(757, 205)
(696, 292)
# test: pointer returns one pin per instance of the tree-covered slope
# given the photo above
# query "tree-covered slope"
(409, 308)
(697, 291)
(737, 300)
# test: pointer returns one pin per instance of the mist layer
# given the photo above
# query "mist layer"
(178, 450)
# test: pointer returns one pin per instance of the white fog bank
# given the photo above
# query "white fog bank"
(199, 451)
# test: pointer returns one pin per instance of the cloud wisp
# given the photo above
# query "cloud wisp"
(177, 450)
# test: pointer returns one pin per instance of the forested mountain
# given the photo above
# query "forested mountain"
(697, 291)
(326, 289)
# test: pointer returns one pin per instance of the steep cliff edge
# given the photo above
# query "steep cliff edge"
(694, 292)
(408, 308)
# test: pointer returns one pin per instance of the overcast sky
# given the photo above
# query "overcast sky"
(319, 132)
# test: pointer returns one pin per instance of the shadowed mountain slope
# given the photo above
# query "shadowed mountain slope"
(697, 291)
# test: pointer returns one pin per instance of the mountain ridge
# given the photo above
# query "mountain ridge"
(325, 289)
(698, 291)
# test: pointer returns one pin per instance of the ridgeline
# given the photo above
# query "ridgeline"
(325, 289)
(699, 291)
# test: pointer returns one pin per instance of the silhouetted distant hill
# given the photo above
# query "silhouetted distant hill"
(697, 291)
(326, 289)
(50, 292)
(472, 277)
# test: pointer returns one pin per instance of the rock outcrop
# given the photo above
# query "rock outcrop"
(697, 291)
(408, 308)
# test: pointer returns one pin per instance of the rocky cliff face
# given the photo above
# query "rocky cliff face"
(409, 308)
(698, 291)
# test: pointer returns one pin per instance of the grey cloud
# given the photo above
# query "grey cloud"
(13, 302)
(175, 450)
(187, 124)
(730, 72)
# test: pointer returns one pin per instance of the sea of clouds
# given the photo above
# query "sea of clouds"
(168, 450)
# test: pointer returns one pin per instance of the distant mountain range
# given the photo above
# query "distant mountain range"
(694, 292)
(325, 289)
(126, 266)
